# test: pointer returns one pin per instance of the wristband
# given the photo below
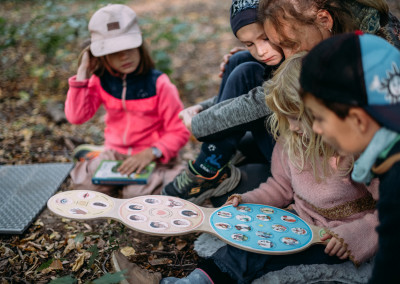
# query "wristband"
(156, 152)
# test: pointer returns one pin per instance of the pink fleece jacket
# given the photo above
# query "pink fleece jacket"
(131, 125)
(345, 208)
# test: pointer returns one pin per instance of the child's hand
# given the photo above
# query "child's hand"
(137, 162)
(188, 113)
(226, 57)
(335, 247)
(83, 68)
(86, 65)
(233, 200)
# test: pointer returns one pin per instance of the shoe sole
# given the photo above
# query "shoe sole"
(226, 186)
(86, 147)
(116, 267)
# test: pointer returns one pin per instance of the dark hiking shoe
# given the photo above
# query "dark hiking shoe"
(196, 188)
(85, 152)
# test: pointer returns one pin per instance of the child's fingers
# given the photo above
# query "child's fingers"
(335, 247)
(129, 166)
(326, 237)
(332, 247)
(237, 49)
(229, 202)
(345, 255)
(234, 201)
(85, 60)
(341, 252)
(141, 166)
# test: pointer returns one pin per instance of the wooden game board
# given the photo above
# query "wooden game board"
(253, 227)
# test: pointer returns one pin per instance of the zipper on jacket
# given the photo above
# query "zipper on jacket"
(123, 97)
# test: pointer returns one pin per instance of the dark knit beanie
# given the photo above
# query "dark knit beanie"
(243, 13)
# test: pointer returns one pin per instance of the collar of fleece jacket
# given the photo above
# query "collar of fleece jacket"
(138, 86)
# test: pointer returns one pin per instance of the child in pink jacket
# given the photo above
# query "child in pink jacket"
(142, 105)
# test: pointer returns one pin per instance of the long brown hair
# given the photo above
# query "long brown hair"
(99, 64)
(304, 11)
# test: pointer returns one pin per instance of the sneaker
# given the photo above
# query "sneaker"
(196, 188)
(85, 152)
(133, 273)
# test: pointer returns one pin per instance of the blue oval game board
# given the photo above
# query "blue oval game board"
(261, 227)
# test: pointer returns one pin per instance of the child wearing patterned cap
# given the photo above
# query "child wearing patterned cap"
(351, 85)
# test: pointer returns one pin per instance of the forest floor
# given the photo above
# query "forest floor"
(34, 131)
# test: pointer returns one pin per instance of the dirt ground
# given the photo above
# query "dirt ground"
(53, 247)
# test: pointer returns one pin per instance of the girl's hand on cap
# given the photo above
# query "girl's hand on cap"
(83, 69)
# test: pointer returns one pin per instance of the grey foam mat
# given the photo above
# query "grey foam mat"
(24, 191)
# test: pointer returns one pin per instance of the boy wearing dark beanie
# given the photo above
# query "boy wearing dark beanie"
(211, 173)
(351, 84)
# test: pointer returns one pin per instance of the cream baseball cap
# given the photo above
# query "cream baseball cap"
(114, 28)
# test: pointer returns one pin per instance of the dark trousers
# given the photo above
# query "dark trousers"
(243, 266)
(242, 74)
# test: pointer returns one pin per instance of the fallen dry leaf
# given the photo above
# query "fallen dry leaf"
(180, 244)
(71, 245)
(160, 246)
(128, 251)
(55, 236)
(56, 264)
(80, 261)
(30, 238)
(159, 261)
(39, 223)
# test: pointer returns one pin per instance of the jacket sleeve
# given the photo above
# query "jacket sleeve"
(208, 103)
(83, 100)
(277, 191)
(223, 118)
(360, 235)
(174, 134)
(386, 264)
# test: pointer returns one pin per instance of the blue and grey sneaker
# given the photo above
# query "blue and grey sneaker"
(196, 188)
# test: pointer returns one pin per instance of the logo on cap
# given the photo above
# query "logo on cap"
(113, 26)
(389, 85)
(240, 5)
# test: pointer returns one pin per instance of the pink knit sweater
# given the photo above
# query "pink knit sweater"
(345, 208)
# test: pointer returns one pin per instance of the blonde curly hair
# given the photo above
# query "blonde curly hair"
(282, 97)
